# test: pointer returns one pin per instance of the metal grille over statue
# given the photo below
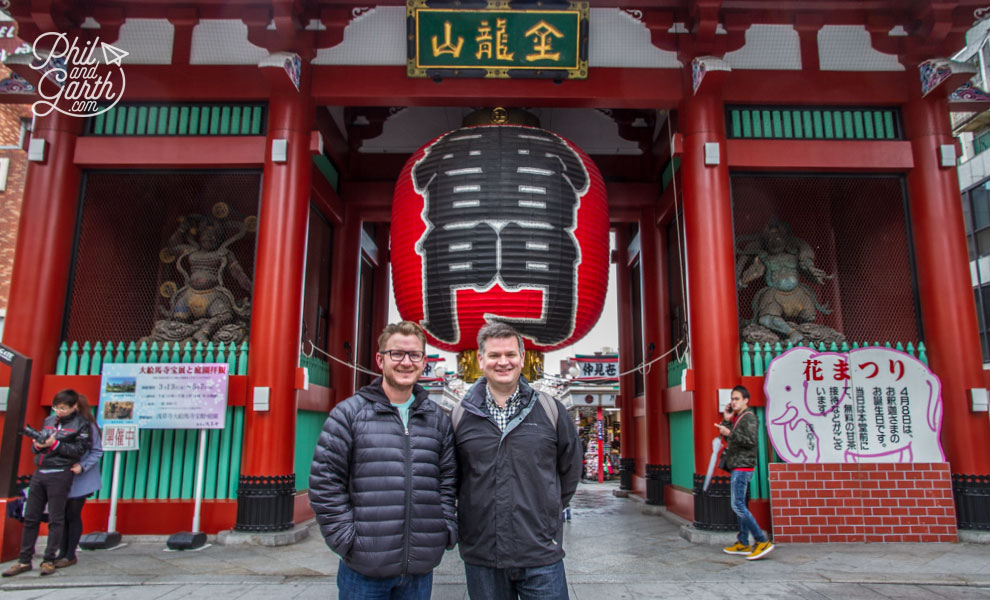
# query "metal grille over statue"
(500, 223)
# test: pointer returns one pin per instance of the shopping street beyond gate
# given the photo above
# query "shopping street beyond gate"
(614, 551)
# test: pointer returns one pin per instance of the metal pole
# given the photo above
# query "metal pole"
(601, 444)
(200, 469)
(114, 483)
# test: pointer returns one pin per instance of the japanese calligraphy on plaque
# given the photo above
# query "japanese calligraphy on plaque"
(867, 405)
(498, 43)
(162, 396)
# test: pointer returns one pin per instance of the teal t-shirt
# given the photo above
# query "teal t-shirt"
(404, 411)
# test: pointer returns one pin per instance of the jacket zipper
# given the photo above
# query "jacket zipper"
(408, 490)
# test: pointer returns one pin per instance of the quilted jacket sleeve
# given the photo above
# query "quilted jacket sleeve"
(448, 479)
(329, 480)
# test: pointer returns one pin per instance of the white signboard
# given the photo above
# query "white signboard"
(164, 396)
(596, 369)
(592, 399)
(866, 405)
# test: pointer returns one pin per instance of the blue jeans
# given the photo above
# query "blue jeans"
(352, 585)
(739, 488)
(532, 583)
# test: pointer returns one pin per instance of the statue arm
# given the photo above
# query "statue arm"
(754, 271)
(807, 266)
(806, 263)
(238, 272)
(177, 242)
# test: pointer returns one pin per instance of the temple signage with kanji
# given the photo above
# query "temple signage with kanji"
(497, 43)
(865, 405)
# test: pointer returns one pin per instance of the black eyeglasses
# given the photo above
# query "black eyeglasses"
(397, 355)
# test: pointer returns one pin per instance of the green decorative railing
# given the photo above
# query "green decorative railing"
(803, 123)
(675, 371)
(165, 465)
(319, 369)
(756, 358)
(681, 448)
(309, 424)
(87, 359)
(179, 120)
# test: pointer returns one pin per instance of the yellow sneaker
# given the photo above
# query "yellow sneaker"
(738, 548)
(760, 550)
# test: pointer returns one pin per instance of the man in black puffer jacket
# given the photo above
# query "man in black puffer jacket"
(383, 480)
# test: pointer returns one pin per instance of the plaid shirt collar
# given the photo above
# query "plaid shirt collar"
(502, 416)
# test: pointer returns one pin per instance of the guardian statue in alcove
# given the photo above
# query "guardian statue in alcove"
(204, 309)
(785, 309)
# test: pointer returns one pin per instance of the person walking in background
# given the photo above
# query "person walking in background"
(383, 478)
(519, 461)
(65, 439)
(741, 430)
(85, 483)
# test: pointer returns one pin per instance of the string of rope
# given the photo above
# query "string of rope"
(313, 347)
(680, 242)
(644, 367)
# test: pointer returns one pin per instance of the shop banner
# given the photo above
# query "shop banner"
(163, 396)
(866, 405)
(596, 369)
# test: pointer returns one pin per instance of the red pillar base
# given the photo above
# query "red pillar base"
(10, 534)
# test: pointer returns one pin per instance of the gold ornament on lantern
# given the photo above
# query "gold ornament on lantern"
(467, 366)
(533, 365)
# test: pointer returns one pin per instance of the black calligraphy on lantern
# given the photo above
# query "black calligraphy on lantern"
(501, 208)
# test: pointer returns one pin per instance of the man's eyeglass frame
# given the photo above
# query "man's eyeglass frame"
(403, 354)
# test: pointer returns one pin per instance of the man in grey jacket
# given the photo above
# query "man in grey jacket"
(382, 483)
(520, 461)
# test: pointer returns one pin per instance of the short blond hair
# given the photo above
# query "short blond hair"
(401, 328)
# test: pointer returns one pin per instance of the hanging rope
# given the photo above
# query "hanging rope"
(313, 347)
(644, 367)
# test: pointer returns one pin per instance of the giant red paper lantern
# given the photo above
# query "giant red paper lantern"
(500, 223)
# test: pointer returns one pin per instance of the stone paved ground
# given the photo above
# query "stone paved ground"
(614, 552)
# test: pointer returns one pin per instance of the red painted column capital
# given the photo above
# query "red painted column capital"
(276, 313)
(944, 284)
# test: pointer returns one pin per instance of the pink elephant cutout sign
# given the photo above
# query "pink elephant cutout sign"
(866, 405)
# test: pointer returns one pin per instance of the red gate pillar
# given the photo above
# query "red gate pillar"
(946, 292)
(633, 448)
(267, 482)
(344, 303)
(713, 318)
(655, 335)
(39, 281)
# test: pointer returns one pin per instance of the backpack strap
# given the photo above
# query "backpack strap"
(456, 415)
(548, 403)
(549, 406)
